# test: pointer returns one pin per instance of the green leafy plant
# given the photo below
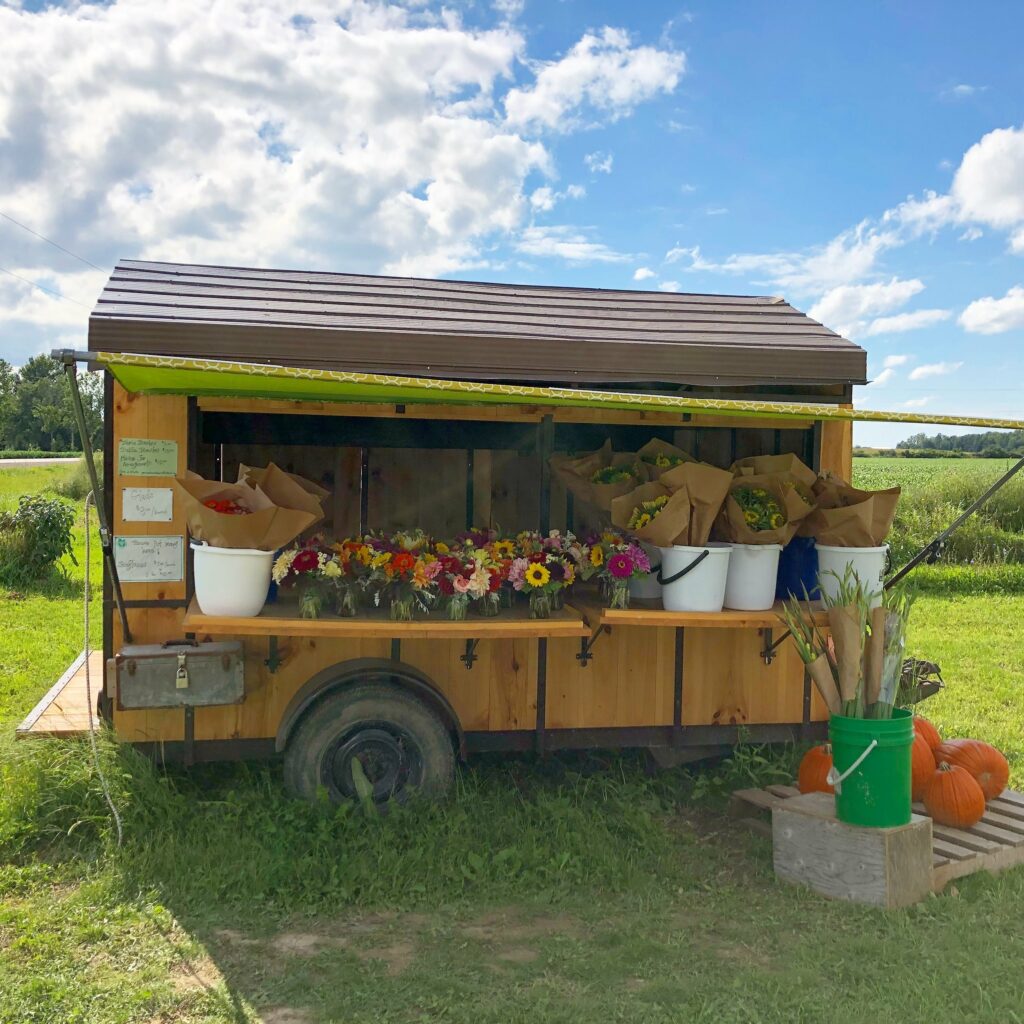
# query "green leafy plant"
(33, 537)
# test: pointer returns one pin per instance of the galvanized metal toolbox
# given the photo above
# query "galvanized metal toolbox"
(178, 673)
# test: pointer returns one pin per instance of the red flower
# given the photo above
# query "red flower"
(305, 561)
(402, 562)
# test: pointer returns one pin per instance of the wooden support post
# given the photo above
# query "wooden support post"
(883, 867)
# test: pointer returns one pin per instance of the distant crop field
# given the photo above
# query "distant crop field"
(874, 473)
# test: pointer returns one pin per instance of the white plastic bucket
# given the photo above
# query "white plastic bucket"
(647, 587)
(702, 588)
(753, 572)
(231, 581)
(868, 564)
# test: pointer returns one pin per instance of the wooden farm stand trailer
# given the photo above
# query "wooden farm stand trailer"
(438, 404)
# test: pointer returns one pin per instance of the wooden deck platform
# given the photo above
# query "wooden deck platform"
(994, 844)
(64, 710)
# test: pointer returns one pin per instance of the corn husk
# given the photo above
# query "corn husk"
(820, 672)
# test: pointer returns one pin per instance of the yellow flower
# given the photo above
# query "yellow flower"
(363, 554)
(643, 521)
(380, 559)
(778, 520)
(537, 575)
(441, 548)
(504, 549)
(332, 570)
(597, 556)
(751, 516)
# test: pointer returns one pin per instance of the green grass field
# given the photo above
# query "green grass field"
(572, 889)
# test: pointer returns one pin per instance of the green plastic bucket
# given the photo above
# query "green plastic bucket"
(876, 791)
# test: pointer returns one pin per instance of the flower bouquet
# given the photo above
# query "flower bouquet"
(763, 509)
(622, 562)
(312, 571)
(405, 581)
(460, 581)
(657, 456)
(354, 558)
(541, 577)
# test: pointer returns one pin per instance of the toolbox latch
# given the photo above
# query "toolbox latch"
(181, 676)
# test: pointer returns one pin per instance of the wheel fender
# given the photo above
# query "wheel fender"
(365, 670)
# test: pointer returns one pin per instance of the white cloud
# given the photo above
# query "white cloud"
(602, 73)
(901, 322)
(716, 211)
(686, 188)
(567, 243)
(668, 286)
(544, 198)
(363, 136)
(917, 403)
(934, 370)
(895, 360)
(643, 274)
(963, 91)
(846, 307)
(883, 378)
(993, 316)
(599, 163)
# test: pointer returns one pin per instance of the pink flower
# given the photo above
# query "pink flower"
(461, 585)
(639, 557)
(620, 566)
(517, 572)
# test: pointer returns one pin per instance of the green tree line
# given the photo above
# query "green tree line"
(36, 413)
(989, 440)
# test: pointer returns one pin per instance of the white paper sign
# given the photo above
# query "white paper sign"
(150, 559)
(147, 504)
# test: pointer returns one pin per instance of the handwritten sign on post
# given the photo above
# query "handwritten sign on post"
(150, 559)
(147, 456)
(147, 504)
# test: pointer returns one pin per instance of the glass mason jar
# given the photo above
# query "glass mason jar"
(311, 598)
(540, 604)
(402, 607)
(489, 605)
(457, 605)
(346, 600)
(618, 593)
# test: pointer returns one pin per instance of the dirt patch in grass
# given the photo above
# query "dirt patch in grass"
(285, 1015)
(193, 975)
(507, 926)
(396, 957)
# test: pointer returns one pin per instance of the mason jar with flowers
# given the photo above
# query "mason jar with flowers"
(623, 562)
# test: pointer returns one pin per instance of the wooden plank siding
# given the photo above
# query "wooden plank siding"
(470, 330)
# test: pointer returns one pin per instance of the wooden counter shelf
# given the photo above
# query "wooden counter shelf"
(651, 613)
(284, 620)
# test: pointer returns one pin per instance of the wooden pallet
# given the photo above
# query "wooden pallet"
(64, 709)
(994, 844)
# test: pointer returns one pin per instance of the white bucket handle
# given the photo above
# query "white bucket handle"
(835, 780)
(682, 572)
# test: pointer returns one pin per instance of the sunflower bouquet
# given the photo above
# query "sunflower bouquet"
(760, 510)
(541, 578)
(613, 475)
(647, 511)
(763, 509)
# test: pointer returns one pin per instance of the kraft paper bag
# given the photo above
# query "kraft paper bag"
(731, 525)
(652, 450)
(821, 672)
(286, 491)
(874, 656)
(668, 525)
(847, 517)
(848, 639)
(253, 474)
(602, 495)
(769, 465)
(706, 488)
(267, 527)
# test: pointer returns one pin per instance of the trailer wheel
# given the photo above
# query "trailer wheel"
(401, 744)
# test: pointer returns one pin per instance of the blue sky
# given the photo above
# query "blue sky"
(864, 160)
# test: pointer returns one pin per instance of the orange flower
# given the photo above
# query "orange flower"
(402, 562)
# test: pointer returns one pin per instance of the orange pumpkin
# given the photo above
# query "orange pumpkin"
(982, 760)
(922, 727)
(814, 769)
(922, 766)
(953, 798)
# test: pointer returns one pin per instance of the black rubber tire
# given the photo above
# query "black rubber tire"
(360, 717)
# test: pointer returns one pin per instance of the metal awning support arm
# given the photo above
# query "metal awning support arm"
(930, 551)
(70, 361)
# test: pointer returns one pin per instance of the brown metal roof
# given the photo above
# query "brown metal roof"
(466, 330)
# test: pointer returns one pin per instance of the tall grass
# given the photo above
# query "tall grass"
(935, 492)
